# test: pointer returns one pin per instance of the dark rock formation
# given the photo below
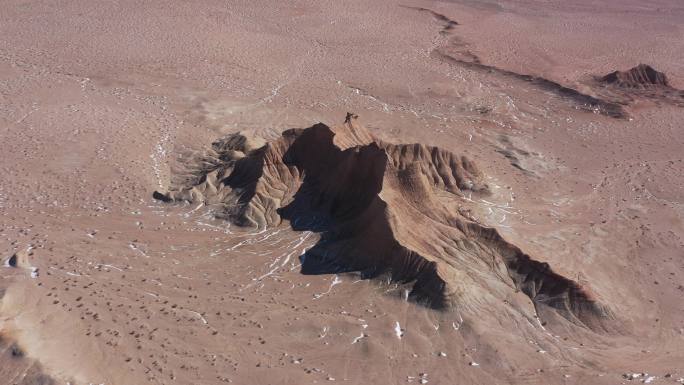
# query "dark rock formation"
(641, 76)
(380, 209)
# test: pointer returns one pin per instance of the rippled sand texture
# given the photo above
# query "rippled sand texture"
(496, 146)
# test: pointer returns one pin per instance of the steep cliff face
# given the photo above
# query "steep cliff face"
(379, 209)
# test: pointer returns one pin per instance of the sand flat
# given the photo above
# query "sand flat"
(101, 104)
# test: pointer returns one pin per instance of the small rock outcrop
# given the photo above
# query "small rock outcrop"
(641, 76)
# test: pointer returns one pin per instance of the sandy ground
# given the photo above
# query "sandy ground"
(98, 101)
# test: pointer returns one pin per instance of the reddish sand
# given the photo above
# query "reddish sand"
(102, 103)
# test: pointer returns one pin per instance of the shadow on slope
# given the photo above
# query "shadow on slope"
(378, 209)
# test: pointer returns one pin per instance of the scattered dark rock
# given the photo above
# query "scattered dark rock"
(12, 261)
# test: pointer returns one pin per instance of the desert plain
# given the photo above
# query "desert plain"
(361, 192)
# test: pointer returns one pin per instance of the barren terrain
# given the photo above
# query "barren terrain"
(299, 192)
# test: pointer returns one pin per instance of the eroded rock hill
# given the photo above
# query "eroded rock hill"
(381, 209)
(640, 76)
(640, 83)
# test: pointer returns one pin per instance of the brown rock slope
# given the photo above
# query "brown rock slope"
(642, 82)
(641, 76)
(381, 208)
(17, 369)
